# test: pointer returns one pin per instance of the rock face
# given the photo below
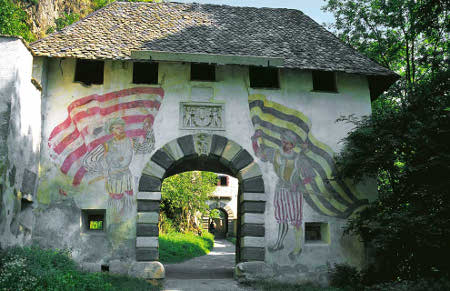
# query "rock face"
(45, 12)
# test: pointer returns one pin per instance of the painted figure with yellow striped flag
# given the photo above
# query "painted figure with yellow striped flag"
(294, 172)
(304, 166)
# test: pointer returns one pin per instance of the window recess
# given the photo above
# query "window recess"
(145, 73)
(203, 72)
(324, 81)
(89, 72)
(264, 77)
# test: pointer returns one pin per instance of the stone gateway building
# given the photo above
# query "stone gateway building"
(137, 92)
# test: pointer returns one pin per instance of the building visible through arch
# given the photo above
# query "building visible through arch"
(137, 92)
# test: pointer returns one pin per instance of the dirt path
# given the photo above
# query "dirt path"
(213, 271)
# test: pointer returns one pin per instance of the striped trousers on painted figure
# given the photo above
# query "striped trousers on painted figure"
(288, 207)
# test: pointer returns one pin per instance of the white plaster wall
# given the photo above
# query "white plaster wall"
(232, 90)
(20, 132)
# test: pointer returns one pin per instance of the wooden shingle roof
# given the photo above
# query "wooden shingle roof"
(121, 27)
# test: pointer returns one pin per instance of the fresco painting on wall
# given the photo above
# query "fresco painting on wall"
(100, 136)
(304, 166)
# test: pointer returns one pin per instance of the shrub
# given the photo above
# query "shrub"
(343, 275)
(32, 268)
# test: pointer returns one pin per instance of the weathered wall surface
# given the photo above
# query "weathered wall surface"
(66, 189)
(20, 129)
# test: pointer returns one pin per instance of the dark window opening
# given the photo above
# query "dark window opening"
(262, 77)
(317, 232)
(203, 72)
(145, 73)
(105, 268)
(89, 72)
(93, 219)
(324, 81)
(223, 181)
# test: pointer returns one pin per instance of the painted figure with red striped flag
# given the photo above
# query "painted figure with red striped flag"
(99, 137)
(112, 160)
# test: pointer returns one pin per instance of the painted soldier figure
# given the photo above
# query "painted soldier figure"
(113, 159)
(294, 172)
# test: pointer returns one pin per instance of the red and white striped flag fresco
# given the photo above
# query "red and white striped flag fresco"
(85, 127)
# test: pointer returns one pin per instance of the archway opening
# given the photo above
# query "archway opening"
(204, 152)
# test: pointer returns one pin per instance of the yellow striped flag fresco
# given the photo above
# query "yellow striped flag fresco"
(326, 194)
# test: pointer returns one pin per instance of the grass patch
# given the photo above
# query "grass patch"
(178, 247)
(32, 268)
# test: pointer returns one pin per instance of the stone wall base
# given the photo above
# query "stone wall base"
(248, 272)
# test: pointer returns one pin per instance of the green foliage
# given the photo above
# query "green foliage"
(405, 141)
(178, 247)
(14, 21)
(343, 275)
(184, 197)
(66, 20)
(37, 269)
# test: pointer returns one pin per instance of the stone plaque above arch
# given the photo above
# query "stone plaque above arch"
(202, 115)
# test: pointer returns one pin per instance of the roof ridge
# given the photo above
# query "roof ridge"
(206, 4)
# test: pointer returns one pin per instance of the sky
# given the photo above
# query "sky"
(309, 7)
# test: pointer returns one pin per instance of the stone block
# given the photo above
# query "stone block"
(186, 144)
(147, 270)
(253, 229)
(163, 159)
(147, 254)
(174, 150)
(230, 151)
(218, 144)
(147, 206)
(253, 197)
(255, 218)
(253, 271)
(252, 207)
(250, 171)
(144, 229)
(241, 160)
(252, 242)
(119, 267)
(149, 196)
(253, 185)
(153, 169)
(149, 184)
(146, 242)
(148, 217)
(252, 254)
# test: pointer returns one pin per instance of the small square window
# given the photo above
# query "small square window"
(145, 73)
(223, 181)
(89, 72)
(203, 72)
(324, 81)
(264, 77)
(93, 220)
(317, 232)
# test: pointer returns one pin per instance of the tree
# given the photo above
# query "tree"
(184, 195)
(405, 141)
(14, 21)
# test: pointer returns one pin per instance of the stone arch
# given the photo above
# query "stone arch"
(209, 152)
(222, 205)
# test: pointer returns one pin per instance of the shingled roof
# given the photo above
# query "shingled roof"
(122, 27)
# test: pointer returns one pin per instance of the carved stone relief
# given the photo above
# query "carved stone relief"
(202, 116)
(202, 143)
